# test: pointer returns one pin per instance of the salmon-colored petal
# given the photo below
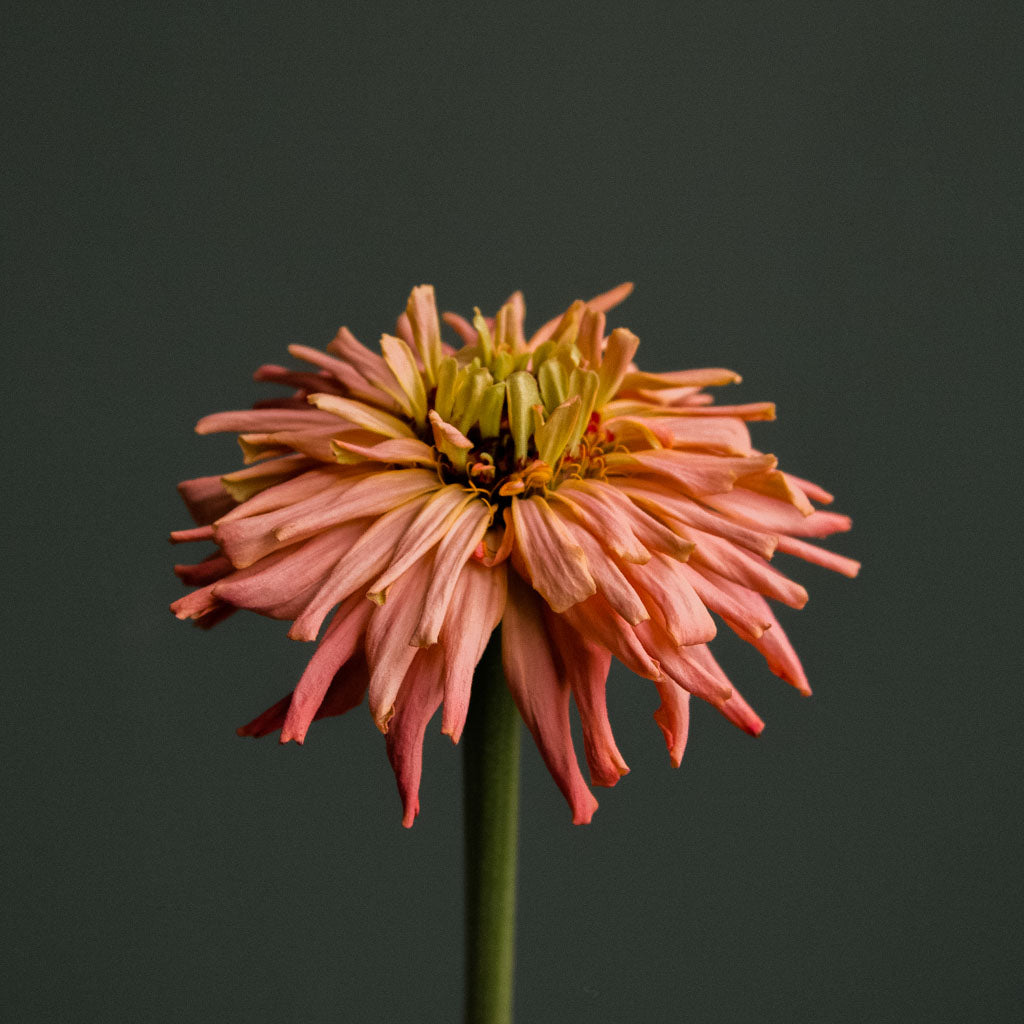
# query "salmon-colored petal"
(370, 496)
(389, 647)
(262, 421)
(454, 550)
(417, 700)
(819, 556)
(673, 718)
(476, 609)
(585, 665)
(615, 587)
(670, 598)
(555, 562)
(206, 498)
(345, 692)
(598, 621)
(741, 567)
(359, 565)
(541, 696)
(340, 642)
(436, 517)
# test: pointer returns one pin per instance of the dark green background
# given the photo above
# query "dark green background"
(820, 195)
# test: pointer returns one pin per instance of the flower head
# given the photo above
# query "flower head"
(398, 507)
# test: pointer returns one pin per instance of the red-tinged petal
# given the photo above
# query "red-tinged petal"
(209, 570)
(417, 700)
(819, 556)
(359, 565)
(541, 696)
(345, 692)
(369, 364)
(555, 562)
(476, 608)
(673, 718)
(462, 327)
(389, 649)
(188, 536)
(585, 665)
(205, 498)
(771, 641)
(304, 382)
(671, 599)
(339, 644)
(247, 540)
(736, 709)
(679, 665)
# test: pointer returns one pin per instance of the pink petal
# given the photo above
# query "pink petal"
(555, 562)
(417, 700)
(673, 718)
(339, 643)
(819, 556)
(671, 600)
(476, 608)
(370, 496)
(205, 498)
(746, 569)
(455, 549)
(345, 692)
(389, 650)
(360, 564)
(541, 696)
(585, 665)
(598, 621)
(262, 421)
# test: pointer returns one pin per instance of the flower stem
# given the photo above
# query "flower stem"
(491, 808)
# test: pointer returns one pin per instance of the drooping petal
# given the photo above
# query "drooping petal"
(345, 692)
(417, 700)
(541, 695)
(585, 665)
(673, 718)
(339, 644)
(476, 609)
(389, 647)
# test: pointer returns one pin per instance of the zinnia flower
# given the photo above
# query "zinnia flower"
(414, 500)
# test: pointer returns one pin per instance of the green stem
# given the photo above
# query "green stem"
(491, 803)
